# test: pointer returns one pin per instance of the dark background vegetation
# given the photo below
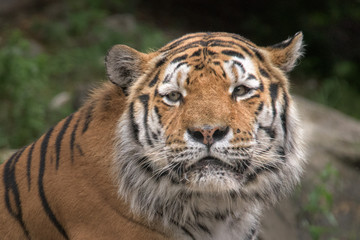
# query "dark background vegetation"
(52, 48)
(47, 47)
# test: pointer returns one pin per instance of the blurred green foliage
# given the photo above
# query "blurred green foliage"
(72, 48)
(317, 216)
(23, 89)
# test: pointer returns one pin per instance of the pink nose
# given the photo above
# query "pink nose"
(208, 134)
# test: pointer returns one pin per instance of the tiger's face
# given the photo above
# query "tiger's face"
(208, 113)
(204, 118)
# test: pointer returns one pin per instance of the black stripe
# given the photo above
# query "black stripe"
(190, 45)
(160, 62)
(260, 108)
(145, 164)
(274, 89)
(154, 81)
(247, 51)
(78, 147)
(45, 204)
(251, 234)
(178, 59)
(232, 53)
(261, 87)
(178, 42)
(242, 166)
(28, 165)
(283, 44)
(223, 72)
(264, 73)
(239, 64)
(253, 96)
(269, 131)
(210, 43)
(155, 136)
(213, 71)
(283, 116)
(267, 168)
(145, 99)
(211, 53)
(135, 127)
(196, 53)
(258, 55)
(199, 66)
(188, 233)
(204, 228)
(72, 139)
(204, 43)
(179, 65)
(222, 43)
(250, 177)
(241, 39)
(251, 76)
(88, 117)
(281, 152)
(59, 139)
(158, 114)
(167, 78)
(204, 50)
(184, 48)
(12, 187)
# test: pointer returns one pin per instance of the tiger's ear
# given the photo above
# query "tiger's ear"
(124, 65)
(285, 54)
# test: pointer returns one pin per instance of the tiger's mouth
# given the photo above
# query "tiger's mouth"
(210, 163)
(211, 174)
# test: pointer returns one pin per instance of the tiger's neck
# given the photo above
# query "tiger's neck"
(188, 215)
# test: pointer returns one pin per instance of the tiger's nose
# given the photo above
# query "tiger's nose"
(208, 134)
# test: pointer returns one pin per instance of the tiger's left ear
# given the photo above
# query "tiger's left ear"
(285, 54)
(124, 65)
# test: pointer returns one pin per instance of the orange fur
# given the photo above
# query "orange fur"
(81, 193)
(71, 183)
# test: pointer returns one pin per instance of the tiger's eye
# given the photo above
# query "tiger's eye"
(240, 91)
(174, 96)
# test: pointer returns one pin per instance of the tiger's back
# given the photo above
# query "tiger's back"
(188, 142)
(59, 187)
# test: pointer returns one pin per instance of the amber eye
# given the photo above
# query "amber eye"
(174, 96)
(240, 91)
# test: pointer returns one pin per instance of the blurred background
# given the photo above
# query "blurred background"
(52, 52)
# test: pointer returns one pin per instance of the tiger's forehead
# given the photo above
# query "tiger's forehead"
(223, 62)
(220, 55)
(202, 50)
(217, 39)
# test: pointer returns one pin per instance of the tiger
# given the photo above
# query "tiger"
(191, 141)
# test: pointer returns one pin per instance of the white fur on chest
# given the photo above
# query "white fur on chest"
(227, 229)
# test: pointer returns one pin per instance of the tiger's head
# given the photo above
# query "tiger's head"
(209, 116)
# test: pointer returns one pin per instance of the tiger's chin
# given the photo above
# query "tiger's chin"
(212, 176)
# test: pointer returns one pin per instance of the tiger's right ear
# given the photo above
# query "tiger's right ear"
(124, 65)
(285, 54)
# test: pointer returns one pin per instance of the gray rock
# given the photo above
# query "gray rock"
(333, 140)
